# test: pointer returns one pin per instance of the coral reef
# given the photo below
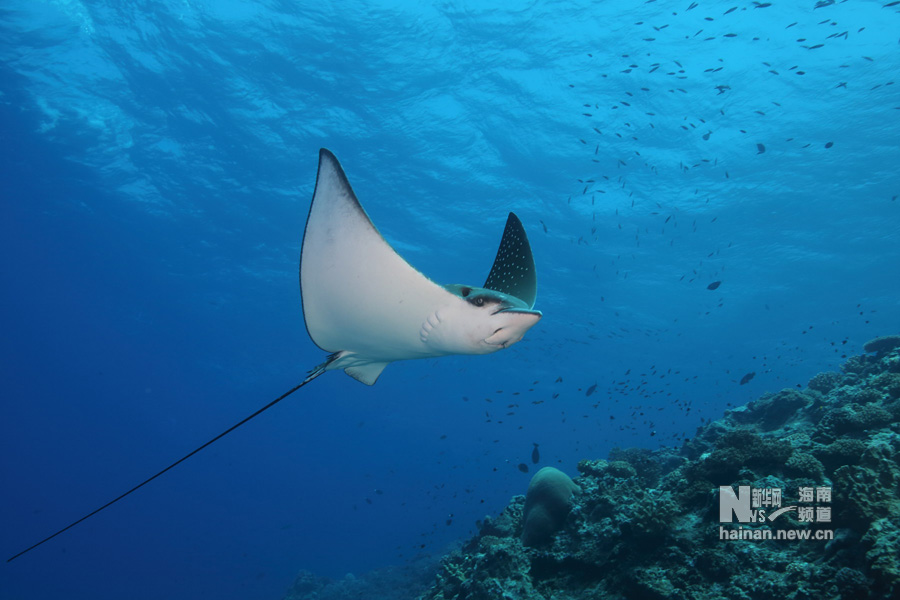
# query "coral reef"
(647, 523)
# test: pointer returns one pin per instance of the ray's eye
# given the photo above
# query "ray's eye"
(465, 291)
(476, 300)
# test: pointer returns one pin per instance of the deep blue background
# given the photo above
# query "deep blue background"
(156, 169)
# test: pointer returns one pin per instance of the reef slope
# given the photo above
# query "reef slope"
(646, 523)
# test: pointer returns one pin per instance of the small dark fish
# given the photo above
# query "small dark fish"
(545, 227)
(829, 144)
(714, 285)
(523, 467)
(746, 378)
(760, 148)
(591, 390)
(535, 455)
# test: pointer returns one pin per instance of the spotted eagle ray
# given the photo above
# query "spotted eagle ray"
(368, 307)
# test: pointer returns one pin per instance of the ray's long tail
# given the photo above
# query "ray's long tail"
(318, 370)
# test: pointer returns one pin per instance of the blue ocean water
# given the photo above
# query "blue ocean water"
(157, 163)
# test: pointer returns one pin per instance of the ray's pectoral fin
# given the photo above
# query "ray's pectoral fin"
(513, 272)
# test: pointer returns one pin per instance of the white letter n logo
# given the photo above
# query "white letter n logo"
(731, 504)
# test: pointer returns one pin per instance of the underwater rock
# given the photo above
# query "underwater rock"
(882, 345)
(855, 365)
(887, 383)
(805, 465)
(652, 518)
(646, 523)
(592, 467)
(509, 523)
(852, 394)
(842, 451)
(871, 490)
(824, 382)
(651, 583)
(547, 503)
(882, 558)
(741, 449)
(851, 584)
(773, 410)
(854, 419)
(643, 462)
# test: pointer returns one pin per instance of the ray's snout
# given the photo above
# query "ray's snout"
(513, 328)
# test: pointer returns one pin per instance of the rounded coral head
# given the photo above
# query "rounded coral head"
(547, 502)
